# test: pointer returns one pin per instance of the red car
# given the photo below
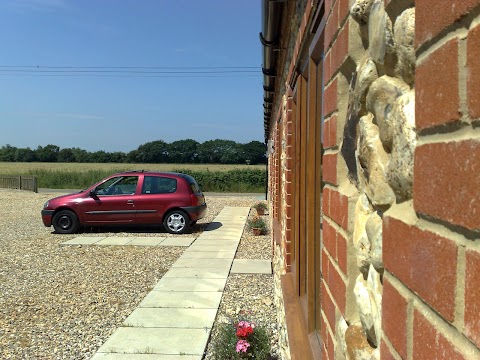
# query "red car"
(132, 197)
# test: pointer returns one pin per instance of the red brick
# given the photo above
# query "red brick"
(329, 167)
(333, 131)
(330, 132)
(425, 262)
(325, 265)
(340, 49)
(289, 198)
(326, 201)
(330, 99)
(472, 296)
(323, 331)
(288, 259)
(289, 176)
(394, 318)
(344, 10)
(447, 182)
(329, 237)
(432, 16)
(289, 163)
(429, 343)
(473, 68)
(437, 97)
(339, 209)
(342, 252)
(328, 308)
(327, 75)
(332, 25)
(330, 347)
(385, 353)
(337, 288)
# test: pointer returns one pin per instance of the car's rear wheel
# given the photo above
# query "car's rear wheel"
(65, 222)
(177, 222)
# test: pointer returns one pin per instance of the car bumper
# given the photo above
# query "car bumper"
(47, 216)
(196, 212)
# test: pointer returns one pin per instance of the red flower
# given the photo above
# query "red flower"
(244, 331)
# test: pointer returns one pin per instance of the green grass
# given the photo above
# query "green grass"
(22, 168)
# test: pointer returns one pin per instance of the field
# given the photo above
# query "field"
(24, 168)
(212, 178)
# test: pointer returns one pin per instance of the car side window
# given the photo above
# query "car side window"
(121, 185)
(158, 185)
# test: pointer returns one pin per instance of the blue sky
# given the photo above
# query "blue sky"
(118, 111)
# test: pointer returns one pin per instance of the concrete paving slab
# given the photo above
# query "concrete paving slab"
(247, 266)
(219, 247)
(219, 237)
(147, 241)
(211, 273)
(115, 240)
(172, 318)
(192, 254)
(177, 241)
(182, 299)
(216, 242)
(202, 263)
(134, 340)
(117, 356)
(190, 284)
(84, 240)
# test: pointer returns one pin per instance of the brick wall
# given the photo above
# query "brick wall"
(337, 231)
(430, 303)
(432, 259)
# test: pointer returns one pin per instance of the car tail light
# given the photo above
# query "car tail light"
(195, 201)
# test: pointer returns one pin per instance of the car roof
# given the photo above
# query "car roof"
(158, 173)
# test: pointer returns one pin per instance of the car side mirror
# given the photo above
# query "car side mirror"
(93, 193)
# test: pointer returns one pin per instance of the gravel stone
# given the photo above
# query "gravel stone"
(63, 302)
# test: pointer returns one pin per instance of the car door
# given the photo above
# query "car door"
(156, 196)
(112, 202)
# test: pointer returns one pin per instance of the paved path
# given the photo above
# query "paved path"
(173, 322)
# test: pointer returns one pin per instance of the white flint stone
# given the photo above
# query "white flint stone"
(340, 331)
(374, 233)
(360, 11)
(400, 166)
(366, 306)
(380, 34)
(366, 75)
(375, 289)
(374, 159)
(363, 210)
(381, 98)
(404, 34)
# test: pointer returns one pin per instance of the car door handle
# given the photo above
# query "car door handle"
(129, 201)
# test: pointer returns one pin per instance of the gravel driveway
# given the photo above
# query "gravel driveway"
(63, 302)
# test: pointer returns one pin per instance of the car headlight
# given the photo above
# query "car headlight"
(45, 205)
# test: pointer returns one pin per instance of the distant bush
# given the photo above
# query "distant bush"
(238, 180)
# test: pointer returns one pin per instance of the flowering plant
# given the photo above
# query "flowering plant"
(242, 340)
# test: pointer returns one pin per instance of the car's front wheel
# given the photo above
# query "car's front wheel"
(65, 222)
(177, 222)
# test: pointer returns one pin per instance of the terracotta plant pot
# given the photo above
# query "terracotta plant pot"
(257, 231)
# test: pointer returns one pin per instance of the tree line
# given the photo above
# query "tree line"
(155, 152)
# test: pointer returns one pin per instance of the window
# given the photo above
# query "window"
(121, 185)
(159, 185)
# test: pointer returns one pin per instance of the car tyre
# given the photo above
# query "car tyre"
(65, 222)
(177, 222)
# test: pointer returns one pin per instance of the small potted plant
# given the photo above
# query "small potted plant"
(257, 225)
(242, 340)
(260, 207)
